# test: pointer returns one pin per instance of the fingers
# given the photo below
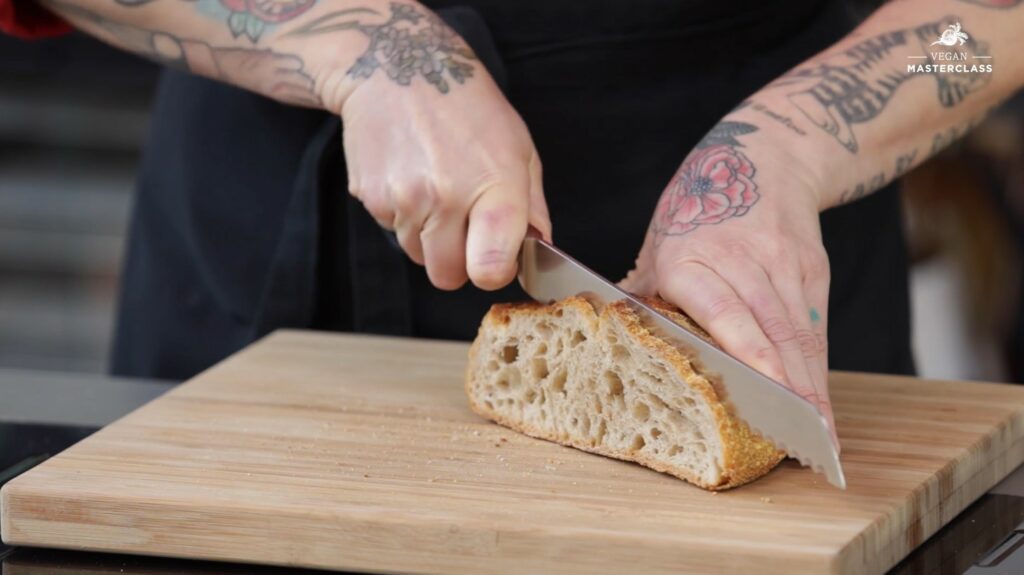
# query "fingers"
(816, 286)
(774, 318)
(716, 306)
(497, 226)
(443, 238)
(411, 207)
(790, 288)
(456, 238)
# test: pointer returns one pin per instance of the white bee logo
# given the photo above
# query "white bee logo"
(951, 35)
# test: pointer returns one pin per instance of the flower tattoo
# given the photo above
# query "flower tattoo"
(410, 43)
(715, 183)
(250, 17)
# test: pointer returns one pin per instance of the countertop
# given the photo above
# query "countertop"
(42, 413)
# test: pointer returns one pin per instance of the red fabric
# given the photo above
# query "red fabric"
(26, 19)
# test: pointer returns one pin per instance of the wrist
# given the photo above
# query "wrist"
(791, 152)
(404, 45)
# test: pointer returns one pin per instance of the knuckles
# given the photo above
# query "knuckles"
(816, 266)
(808, 342)
(725, 309)
(414, 197)
(779, 330)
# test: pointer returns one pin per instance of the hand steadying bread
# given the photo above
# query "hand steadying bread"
(601, 382)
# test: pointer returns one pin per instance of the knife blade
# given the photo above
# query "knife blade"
(789, 421)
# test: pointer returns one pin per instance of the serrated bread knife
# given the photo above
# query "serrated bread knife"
(789, 421)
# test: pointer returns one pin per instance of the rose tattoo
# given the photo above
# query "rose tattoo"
(715, 183)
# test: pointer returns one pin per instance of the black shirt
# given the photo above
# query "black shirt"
(242, 222)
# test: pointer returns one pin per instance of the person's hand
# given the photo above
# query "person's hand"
(454, 173)
(735, 242)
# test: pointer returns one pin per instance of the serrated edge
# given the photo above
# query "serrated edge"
(805, 461)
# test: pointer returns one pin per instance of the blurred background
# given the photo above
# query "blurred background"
(72, 118)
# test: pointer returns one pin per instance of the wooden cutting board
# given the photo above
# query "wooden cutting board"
(360, 453)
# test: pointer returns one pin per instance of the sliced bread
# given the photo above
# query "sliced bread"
(602, 382)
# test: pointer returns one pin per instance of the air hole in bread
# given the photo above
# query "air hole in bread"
(493, 365)
(558, 382)
(614, 383)
(577, 338)
(674, 450)
(503, 382)
(542, 348)
(586, 424)
(689, 402)
(509, 353)
(641, 411)
(602, 429)
(619, 352)
(489, 404)
(559, 312)
(544, 329)
(540, 367)
(657, 402)
(575, 421)
(655, 433)
(638, 442)
(611, 338)
(530, 396)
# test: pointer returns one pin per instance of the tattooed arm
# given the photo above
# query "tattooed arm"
(912, 79)
(410, 93)
(735, 239)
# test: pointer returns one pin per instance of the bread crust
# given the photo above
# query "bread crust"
(745, 455)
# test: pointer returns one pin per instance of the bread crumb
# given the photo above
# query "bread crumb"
(366, 476)
(766, 499)
(476, 433)
(549, 467)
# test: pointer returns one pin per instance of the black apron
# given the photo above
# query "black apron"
(242, 223)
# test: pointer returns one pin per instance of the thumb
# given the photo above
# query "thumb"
(538, 217)
(641, 280)
(497, 225)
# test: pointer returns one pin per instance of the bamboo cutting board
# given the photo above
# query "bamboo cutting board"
(360, 453)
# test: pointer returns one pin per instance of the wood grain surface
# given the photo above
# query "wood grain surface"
(360, 453)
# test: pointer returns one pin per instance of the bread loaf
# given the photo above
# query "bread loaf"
(604, 383)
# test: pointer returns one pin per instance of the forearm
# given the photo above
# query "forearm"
(304, 52)
(875, 105)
